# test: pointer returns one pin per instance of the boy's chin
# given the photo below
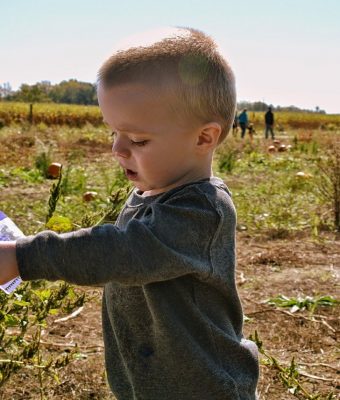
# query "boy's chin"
(151, 190)
(147, 190)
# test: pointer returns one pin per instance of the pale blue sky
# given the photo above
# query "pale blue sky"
(282, 51)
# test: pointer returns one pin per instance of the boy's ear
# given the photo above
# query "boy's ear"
(208, 137)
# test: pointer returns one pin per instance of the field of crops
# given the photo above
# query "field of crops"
(49, 114)
(287, 248)
(77, 116)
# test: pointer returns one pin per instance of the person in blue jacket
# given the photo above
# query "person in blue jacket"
(243, 122)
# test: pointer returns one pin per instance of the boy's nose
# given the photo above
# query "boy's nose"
(120, 148)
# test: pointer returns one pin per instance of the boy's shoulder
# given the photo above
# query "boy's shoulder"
(210, 187)
(211, 192)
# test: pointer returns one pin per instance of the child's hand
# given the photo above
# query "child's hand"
(8, 262)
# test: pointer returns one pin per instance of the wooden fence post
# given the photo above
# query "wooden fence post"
(30, 114)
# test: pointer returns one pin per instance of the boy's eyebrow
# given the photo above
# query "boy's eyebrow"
(130, 128)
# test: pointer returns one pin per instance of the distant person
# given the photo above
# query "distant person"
(172, 317)
(269, 121)
(235, 124)
(243, 121)
(251, 131)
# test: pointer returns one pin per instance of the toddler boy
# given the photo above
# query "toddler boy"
(172, 318)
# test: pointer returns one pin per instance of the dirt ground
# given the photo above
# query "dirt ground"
(266, 268)
(294, 266)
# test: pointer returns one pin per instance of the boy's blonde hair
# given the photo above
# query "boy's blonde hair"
(186, 65)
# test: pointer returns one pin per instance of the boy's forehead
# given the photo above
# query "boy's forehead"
(136, 91)
(126, 91)
(127, 97)
(124, 106)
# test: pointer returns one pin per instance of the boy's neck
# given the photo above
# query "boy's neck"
(188, 178)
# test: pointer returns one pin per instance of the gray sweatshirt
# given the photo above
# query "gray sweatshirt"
(172, 318)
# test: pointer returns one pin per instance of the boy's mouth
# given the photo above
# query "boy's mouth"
(132, 175)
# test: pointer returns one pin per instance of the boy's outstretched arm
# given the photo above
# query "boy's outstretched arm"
(172, 239)
(8, 262)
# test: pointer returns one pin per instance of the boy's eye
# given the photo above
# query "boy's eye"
(134, 142)
(139, 143)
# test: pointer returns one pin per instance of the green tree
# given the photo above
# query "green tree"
(74, 92)
(37, 93)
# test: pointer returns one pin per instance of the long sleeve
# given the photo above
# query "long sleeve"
(171, 240)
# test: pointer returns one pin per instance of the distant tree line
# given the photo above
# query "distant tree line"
(261, 106)
(76, 92)
(67, 92)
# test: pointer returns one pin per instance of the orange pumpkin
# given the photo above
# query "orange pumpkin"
(89, 196)
(54, 170)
